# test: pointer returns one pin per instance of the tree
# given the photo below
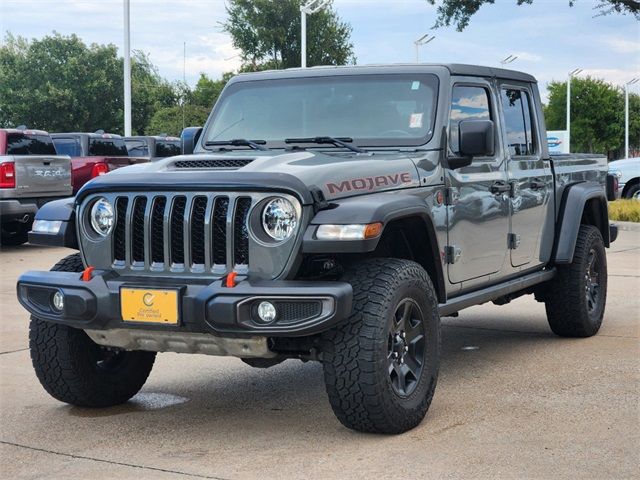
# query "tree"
(59, 84)
(149, 92)
(459, 12)
(268, 34)
(597, 115)
(169, 120)
(206, 91)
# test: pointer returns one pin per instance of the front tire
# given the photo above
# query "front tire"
(575, 299)
(381, 364)
(74, 369)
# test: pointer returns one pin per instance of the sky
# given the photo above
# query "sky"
(549, 37)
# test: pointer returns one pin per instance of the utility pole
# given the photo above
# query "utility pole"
(184, 78)
(423, 40)
(312, 6)
(507, 60)
(127, 70)
(572, 74)
(626, 115)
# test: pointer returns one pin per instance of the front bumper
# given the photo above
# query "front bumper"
(305, 308)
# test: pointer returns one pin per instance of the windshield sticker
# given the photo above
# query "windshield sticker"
(415, 85)
(415, 120)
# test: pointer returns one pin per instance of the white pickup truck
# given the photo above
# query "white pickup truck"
(627, 172)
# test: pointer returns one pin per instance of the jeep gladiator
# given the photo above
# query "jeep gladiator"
(93, 154)
(31, 174)
(327, 214)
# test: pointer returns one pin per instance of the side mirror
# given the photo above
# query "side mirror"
(476, 138)
(189, 138)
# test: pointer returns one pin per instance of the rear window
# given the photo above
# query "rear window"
(29, 144)
(107, 147)
(168, 148)
(137, 148)
(68, 146)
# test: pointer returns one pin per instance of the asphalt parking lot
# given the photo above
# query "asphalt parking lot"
(513, 401)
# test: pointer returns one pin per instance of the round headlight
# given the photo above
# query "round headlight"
(279, 219)
(102, 217)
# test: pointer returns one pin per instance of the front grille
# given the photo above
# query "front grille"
(223, 163)
(182, 232)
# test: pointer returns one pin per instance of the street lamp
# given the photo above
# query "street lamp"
(127, 71)
(312, 6)
(572, 73)
(423, 40)
(626, 115)
(508, 60)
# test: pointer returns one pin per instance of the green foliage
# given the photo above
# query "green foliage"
(169, 120)
(459, 12)
(268, 34)
(59, 84)
(624, 210)
(206, 91)
(597, 115)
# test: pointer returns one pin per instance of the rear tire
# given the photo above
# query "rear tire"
(575, 299)
(381, 364)
(74, 369)
(633, 192)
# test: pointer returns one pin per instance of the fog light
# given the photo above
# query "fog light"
(58, 301)
(267, 312)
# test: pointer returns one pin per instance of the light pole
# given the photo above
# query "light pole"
(127, 71)
(626, 115)
(508, 60)
(572, 74)
(312, 6)
(423, 40)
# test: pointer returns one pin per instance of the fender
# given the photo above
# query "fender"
(574, 199)
(58, 210)
(382, 207)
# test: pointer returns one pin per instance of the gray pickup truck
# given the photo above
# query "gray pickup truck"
(31, 174)
(328, 214)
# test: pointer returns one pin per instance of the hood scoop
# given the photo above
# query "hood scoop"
(213, 163)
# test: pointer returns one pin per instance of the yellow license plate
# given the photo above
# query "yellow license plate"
(149, 306)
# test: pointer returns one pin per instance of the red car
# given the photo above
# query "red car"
(93, 154)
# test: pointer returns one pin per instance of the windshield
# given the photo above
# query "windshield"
(137, 148)
(68, 146)
(168, 148)
(29, 144)
(103, 147)
(374, 110)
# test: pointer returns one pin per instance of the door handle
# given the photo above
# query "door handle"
(500, 187)
(537, 184)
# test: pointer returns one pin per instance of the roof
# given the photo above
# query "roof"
(453, 68)
(88, 134)
(157, 137)
(27, 131)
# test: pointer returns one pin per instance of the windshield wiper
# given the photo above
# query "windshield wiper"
(338, 142)
(238, 142)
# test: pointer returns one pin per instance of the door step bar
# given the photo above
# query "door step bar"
(488, 294)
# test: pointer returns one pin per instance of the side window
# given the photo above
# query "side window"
(67, 146)
(467, 103)
(517, 119)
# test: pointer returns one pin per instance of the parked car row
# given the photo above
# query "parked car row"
(37, 167)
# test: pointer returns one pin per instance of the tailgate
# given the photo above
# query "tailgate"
(42, 175)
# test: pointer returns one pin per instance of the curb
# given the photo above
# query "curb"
(628, 226)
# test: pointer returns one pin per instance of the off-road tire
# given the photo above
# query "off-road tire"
(565, 297)
(75, 370)
(355, 353)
